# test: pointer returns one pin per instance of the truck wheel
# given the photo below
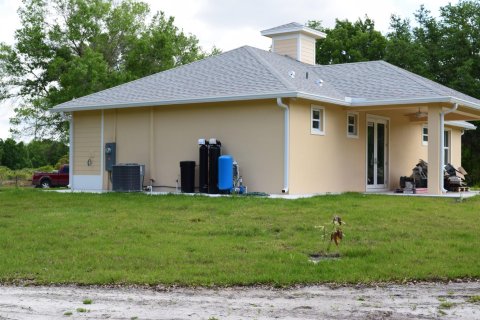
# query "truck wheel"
(45, 184)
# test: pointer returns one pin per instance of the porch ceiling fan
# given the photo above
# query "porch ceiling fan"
(419, 114)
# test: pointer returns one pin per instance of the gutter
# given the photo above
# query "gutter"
(286, 143)
(442, 143)
(347, 101)
(59, 108)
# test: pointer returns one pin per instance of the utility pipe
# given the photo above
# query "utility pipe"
(442, 143)
(286, 143)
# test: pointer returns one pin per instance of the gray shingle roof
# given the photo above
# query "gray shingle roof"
(379, 80)
(293, 27)
(288, 26)
(249, 73)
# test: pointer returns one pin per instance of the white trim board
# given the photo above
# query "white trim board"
(87, 182)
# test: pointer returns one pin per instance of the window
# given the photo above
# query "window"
(446, 143)
(425, 135)
(352, 125)
(317, 120)
(446, 147)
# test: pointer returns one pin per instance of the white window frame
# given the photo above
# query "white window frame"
(447, 146)
(321, 130)
(447, 142)
(355, 116)
(425, 143)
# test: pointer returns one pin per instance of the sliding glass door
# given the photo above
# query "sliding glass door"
(377, 153)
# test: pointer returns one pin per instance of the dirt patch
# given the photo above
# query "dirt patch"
(416, 301)
(317, 257)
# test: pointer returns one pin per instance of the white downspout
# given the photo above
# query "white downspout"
(442, 143)
(70, 153)
(102, 149)
(286, 143)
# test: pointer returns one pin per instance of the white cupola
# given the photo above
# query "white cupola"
(294, 40)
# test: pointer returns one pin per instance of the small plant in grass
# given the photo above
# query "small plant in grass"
(446, 305)
(474, 299)
(336, 233)
(81, 310)
(87, 301)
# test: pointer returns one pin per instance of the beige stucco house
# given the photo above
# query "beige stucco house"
(293, 126)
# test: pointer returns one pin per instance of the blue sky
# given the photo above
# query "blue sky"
(228, 24)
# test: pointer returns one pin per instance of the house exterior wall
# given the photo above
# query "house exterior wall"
(325, 163)
(161, 137)
(456, 146)
(87, 131)
(87, 150)
(336, 163)
(252, 132)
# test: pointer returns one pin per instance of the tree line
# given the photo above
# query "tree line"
(66, 49)
(35, 154)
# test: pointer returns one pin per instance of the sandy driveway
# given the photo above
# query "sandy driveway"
(419, 301)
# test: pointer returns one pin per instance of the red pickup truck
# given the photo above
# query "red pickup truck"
(52, 179)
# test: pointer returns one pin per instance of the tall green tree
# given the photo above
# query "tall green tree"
(401, 49)
(446, 50)
(70, 48)
(349, 42)
(14, 154)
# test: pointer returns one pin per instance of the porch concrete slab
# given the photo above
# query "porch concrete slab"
(464, 195)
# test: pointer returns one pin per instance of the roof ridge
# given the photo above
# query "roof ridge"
(414, 77)
(272, 70)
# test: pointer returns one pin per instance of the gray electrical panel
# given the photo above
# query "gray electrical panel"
(110, 155)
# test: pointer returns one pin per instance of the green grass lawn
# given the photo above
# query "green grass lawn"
(50, 237)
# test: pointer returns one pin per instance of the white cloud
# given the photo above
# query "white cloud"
(8, 19)
(6, 112)
(8, 24)
(228, 24)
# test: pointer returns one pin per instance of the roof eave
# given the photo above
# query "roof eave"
(370, 103)
(319, 98)
(444, 99)
(461, 124)
(312, 32)
(175, 102)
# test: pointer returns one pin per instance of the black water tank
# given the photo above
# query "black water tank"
(203, 166)
(187, 176)
(214, 152)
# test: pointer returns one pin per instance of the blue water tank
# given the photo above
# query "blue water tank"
(225, 172)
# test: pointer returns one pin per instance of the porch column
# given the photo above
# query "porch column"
(434, 159)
